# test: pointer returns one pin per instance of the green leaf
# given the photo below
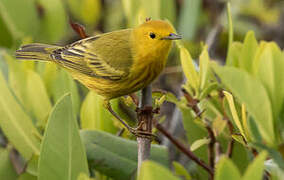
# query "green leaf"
(208, 89)
(63, 83)
(170, 97)
(251, 92)
(234, 54)
(16, 124)
(181, 171)
(6, 39)
(274, 154)
(29, 89)
(189, 69)
(49, 75)
(225, 169)
(94, 115)
(20, 17)
(204, 68)
(152, 171)
(54, 21)
(37, 97)
(27, 176)
(239, 138)
(17, 80)
(271, 73)
(62, 151)
(248, 52)
(235, 115)
(32, 165)
(86, 11)
(198, 143)
(114, 156)
(7, 171)
(219, 125)
(255, 169)
(193, 129)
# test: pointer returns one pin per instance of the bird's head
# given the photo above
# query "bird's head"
(155, 36)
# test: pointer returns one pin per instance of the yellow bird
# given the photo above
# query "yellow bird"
(112, 64)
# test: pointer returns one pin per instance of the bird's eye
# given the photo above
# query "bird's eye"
(152, 35)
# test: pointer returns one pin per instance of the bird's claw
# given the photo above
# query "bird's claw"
(143, 134)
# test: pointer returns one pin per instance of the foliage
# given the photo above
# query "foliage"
(62, 131)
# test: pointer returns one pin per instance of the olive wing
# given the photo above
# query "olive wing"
(105, 56)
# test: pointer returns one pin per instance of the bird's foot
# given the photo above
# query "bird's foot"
(142, 134)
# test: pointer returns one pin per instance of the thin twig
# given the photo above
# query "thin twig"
(193, 103)
(134, 98)
(230, 147)
(211, 153)
(120, 132)
(145, 116)
(79, 29)
(182, 148)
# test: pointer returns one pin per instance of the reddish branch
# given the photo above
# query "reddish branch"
(184, 149)
(211, 153)
(79, 29)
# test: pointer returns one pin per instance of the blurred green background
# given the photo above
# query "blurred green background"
(29, 91)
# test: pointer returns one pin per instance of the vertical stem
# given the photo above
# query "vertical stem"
(145, 124)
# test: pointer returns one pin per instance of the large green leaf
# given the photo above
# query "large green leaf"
(27, 176)
(7, 171)
(181, 171)
(225, 169)
(234, 54)
(255, 169)
(62, 154)
(6, 39)
(189, 69)
(248, 52)
(54, 20)
(271, 73)
(251, 92)
(94, 115)
(37, 97)
(20, 17)
(62, 83)
(17, 79)
(204, 68)
(29, 88)
(114, 156)
(153, 171)
(16, 124)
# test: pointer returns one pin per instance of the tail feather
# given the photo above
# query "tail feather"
(36, 51)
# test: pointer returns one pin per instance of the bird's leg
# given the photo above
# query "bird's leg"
(134, 98)
(134, 131)
(109, 108)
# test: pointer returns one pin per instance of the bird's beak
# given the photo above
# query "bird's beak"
(172, 36)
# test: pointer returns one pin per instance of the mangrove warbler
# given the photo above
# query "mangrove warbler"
(115, 63)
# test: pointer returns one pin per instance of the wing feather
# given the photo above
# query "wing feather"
(94, 57)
